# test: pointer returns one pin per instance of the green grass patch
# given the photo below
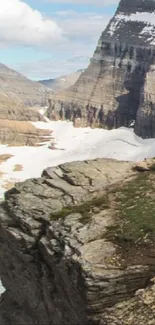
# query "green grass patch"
(135, 210)
(132, 205)
(85, 209)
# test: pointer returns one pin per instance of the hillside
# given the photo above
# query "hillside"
(13, 109)
(21, 88)
(21, 133)
(15, 128)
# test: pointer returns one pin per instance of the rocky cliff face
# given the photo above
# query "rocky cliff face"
(74, 250)
(20, 88)
(121, 73)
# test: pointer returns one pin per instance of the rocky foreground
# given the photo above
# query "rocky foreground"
(118, 85)
(77, 246)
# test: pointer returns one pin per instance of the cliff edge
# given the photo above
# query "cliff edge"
(118, 86)
(77, 246)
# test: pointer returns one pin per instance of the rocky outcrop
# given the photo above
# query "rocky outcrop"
(120, 76)
(67, 256)
(20, 88)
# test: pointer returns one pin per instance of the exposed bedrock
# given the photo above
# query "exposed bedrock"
(57, 263)
(120, 76)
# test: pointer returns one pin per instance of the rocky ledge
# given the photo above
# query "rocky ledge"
(77, 246)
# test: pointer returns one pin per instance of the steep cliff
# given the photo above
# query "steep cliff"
(121, 73)
(77, 244)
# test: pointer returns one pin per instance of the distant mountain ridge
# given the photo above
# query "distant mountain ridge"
(21, 88)
(63, 82)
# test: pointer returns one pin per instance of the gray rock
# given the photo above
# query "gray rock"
(56, 264)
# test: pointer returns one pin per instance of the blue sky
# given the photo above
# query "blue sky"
(48, 38)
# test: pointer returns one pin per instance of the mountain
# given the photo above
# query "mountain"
(62, 82)
(121, 73)
(21, 88)
(77, 246)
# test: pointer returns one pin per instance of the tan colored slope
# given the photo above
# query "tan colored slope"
(12, 109)
(17, 86)
(20, 133)
(7, 101)
(15, 128)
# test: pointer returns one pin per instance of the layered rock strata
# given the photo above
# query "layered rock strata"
(120, 77)
(22, 133)
(15, 128)
(59, 261)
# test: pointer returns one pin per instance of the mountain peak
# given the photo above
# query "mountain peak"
(134, 22)
(120, 79)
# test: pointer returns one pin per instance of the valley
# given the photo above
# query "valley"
(77, 168)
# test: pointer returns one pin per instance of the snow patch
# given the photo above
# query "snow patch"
(144, 17)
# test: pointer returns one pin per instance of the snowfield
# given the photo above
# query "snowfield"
(72, 144)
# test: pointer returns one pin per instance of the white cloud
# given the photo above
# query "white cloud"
(68, 34)
(82, 32)
(20, 24)
(81, 26)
